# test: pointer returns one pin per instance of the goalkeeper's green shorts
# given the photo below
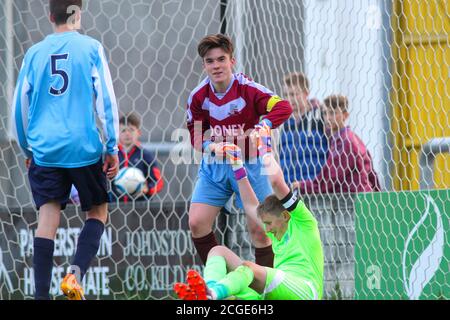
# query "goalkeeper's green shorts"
(284, 286)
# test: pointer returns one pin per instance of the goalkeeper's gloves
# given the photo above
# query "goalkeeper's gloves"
(233, 154)
(263, 139)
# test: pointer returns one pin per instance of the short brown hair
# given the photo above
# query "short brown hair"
(215, 41)
(130, 119)
(297, 79)
(58, 9)
(271, 205)
(336, 101)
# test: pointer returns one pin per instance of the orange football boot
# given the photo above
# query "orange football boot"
(197, 284)
(71, 288)
(184, 292)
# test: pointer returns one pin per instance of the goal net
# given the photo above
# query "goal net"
(390, 58)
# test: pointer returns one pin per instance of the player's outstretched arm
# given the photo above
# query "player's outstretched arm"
(261, 137)
(248, 196)
(276, 178)
(254, 224)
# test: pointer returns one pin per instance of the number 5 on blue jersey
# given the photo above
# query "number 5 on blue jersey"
(61, 72)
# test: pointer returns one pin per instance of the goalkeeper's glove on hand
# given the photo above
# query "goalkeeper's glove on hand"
(233, 155)
(263, 139)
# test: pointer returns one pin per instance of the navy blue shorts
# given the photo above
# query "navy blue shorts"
(54, 184)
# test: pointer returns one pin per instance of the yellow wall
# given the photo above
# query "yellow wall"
(421, 91)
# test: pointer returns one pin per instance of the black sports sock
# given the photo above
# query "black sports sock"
(204, 245)
(42, 266)
(88, 244)
(264, 256)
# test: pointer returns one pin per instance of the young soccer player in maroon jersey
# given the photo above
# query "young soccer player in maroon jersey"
(228, 105)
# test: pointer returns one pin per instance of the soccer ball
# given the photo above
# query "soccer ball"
(129, 180)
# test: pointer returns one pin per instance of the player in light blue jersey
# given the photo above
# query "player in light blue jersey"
(61, 79)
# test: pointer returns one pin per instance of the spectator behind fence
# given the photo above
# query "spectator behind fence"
(349, 165)
(132, 154)
(303, 144)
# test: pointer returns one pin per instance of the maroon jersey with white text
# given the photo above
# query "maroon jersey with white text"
(232, 115)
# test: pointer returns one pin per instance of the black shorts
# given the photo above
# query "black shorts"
(54, 184)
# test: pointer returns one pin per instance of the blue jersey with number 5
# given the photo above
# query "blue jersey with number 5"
(64, 81)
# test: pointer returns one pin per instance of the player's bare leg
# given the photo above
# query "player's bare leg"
(99, 212)
(49, 218)
(259, 276)
(201, 219)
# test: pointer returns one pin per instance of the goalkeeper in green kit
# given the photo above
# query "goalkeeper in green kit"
(298, 262)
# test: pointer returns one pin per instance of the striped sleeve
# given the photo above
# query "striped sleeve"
(106, 105)
(20, 108)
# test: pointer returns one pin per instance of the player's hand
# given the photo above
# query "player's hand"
(28, 163)
(144, 190)
(295, 185)
(140, 193)
(261, 137)
(111, 165)
(216, 148)
(232, 153)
